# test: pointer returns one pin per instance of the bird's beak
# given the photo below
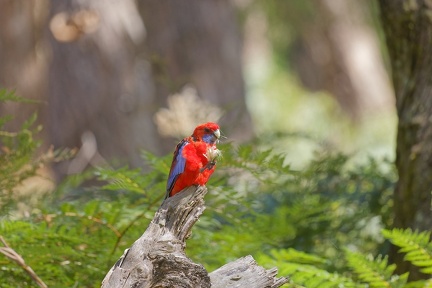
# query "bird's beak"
(217, 133)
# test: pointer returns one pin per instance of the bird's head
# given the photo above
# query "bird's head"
(208, 132)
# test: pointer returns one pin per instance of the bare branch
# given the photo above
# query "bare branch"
(15, 257)
(245, 272)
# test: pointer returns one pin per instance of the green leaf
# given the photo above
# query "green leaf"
(416, 245)
(375, 272)
(7, 95)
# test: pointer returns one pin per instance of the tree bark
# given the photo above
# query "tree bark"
(158, 259)
(408, 29)
(23, 57)
(100, 87)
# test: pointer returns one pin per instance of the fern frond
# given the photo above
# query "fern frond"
(419, 284)
(416, 245)
(7, 95)
(304, 269)
(300, 257)
(121, 179)
(375, 272)
(311, 276)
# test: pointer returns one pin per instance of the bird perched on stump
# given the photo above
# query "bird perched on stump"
(194, 159)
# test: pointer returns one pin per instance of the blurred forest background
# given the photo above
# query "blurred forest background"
(323, 157)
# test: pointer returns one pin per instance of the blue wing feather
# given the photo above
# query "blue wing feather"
(177, 166)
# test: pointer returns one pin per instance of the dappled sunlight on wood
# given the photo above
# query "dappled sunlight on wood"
(67, 28)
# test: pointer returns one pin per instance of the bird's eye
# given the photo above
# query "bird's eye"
(207, 130)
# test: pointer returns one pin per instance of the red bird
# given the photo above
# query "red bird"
(194, 159)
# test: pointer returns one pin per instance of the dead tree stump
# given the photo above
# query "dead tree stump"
(157, 258)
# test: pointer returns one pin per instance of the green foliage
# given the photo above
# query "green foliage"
(366, 271)
(75, 246)
(416, 246)
(256, 204)
(76, 243)
(376, 272)
(299, 221)
(321, 209)
(69, 239)
(305, 269)
(17, 151)
(18, 165)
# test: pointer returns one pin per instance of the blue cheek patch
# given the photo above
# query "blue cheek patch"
(209, 138)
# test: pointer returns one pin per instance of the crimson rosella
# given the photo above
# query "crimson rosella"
(194, 159)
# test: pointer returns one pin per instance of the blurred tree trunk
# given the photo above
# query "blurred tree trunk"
(332, 46)
(100, 89)
(22, 56)
(103, 83)
(338, 51)
(408, 30)
(199, 43)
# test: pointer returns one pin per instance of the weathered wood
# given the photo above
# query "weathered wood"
(245, 272)
(157, 258)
